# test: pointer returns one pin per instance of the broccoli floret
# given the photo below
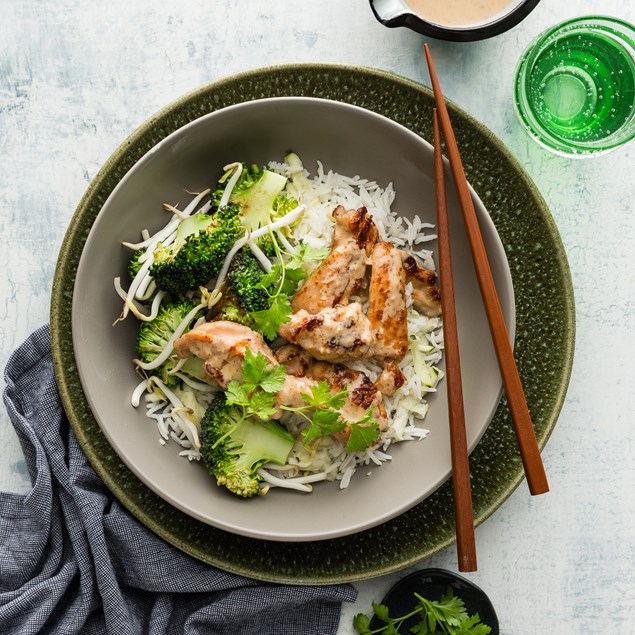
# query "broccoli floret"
(153, 337)
(259, 195)
(266, 244)
(234, 451)
(231, 311)
(198, 252)
(134, 265)
(284, 204)
(243, 277)
(248, 177)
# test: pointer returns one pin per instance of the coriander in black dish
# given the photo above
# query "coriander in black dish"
(434, 585)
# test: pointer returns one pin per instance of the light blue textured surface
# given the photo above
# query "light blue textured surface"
(77, 78)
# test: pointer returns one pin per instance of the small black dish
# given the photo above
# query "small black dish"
(432, 584)
(394, 13)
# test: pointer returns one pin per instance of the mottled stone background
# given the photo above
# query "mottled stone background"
(77, 78)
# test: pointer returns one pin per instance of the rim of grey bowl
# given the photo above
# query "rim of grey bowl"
(58, 296)
(228, 525)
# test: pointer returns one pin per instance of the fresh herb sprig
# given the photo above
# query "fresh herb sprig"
(255, 396)
(446, 616)
(322, 412)
(285, 276)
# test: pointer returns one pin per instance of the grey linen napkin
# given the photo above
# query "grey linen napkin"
(72, 560)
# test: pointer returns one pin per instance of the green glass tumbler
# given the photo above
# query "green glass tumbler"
(574, 88)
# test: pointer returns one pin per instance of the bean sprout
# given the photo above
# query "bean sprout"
(285, 220)
(154, 310)
(288, 483)
(188, 427)
(238, 168)
(209, 300)
(265, 263)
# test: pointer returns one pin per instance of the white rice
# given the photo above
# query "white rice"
(321, 194)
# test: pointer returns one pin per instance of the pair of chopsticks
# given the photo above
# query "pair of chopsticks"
(529, 451)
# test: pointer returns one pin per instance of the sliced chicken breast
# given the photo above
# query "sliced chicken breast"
(339, 334)
(387, 296)
(426, 297)
(362, 393)
(222, 346)
(390, 380)
(357, 224)
(334, 281)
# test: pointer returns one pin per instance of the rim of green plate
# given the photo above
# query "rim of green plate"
(66, 371)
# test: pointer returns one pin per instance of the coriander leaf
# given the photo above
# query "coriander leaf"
(421, 628)
(435, 617)
(361, 623)
(323, 423)
(452, 601)
(327, 417)
(292, 278)
(258, 373)
(255, 369)
(261, 405)
(306, 253)
(274, 379)
(447, 596)
(472, 626)
(362, 436)
(451, 608)
(316, 253)
(236, 394)
(319, 394)
(381, 611)
(268, 279)
(321, 397)
(282, 308)
(337, 400)
(469, 622)
(270, 320)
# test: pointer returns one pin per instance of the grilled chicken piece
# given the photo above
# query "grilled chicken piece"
(296, 360)
(426, 297)
(357, 224)
(334, 281)
(387, 309)
(362, 393)
(390, 380)
(222, 345)
(340, 334)
(291, 393)
(300, 364)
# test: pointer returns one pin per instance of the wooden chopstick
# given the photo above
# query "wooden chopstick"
(463, 513)
(530, 454)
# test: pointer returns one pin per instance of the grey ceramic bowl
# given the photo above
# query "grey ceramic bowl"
(394, 13)
(346, 139)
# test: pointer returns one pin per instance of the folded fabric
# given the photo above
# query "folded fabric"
(72, 560)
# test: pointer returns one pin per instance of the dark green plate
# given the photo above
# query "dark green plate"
(545, 327)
